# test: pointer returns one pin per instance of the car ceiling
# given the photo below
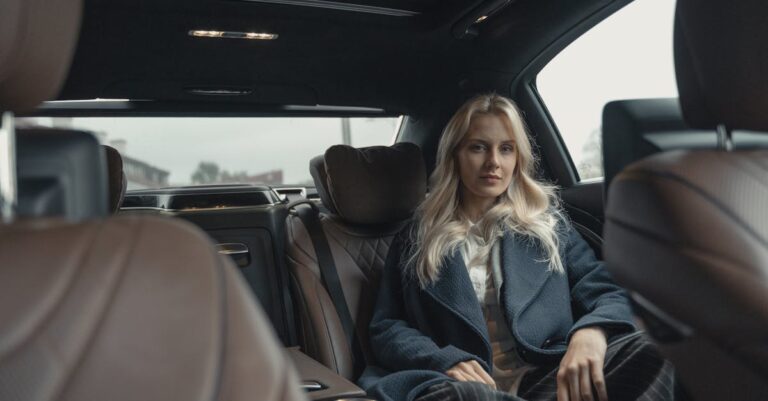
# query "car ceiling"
(140, 49)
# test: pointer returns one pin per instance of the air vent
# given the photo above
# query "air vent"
(221, 201)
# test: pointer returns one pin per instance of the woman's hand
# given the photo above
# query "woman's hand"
(470, 371)
(582, 367)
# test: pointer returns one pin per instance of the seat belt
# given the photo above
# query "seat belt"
(310, 217)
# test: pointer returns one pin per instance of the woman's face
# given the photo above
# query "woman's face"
(486, 158)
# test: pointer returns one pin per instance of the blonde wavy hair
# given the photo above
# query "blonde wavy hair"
(527, 208)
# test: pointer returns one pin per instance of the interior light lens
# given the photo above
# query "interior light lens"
(233, 35)
(262, 36)
(481, 19)
(206, 34)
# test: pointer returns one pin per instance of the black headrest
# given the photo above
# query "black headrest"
(629, 127)
(634, 129)
(373, 185)
(721, 54)
(60, 173)
(116, 178)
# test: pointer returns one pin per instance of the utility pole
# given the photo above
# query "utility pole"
(346, 132)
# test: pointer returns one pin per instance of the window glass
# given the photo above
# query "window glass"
(161, 152)
(627, 56)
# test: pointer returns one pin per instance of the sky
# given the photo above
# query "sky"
(599, 67)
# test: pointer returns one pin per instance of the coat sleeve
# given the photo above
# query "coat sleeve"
(596, 299)
(396, 344)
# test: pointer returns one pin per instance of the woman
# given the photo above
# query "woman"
(491, 294)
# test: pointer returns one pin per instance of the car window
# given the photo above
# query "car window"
(626, 56)
(161, 152)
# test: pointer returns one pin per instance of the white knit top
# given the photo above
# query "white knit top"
(508, 368)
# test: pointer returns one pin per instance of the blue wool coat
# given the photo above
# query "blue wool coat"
(418, 334)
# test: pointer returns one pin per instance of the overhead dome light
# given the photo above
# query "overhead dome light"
(206, 34)
(233, 35)
(481, 19)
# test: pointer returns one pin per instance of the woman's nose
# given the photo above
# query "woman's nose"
(493, 159)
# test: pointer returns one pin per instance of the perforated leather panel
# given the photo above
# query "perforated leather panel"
(689, 232)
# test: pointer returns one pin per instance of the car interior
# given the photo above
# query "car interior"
(263, 289)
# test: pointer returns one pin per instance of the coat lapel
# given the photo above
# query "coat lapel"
(524, 273)
(454, 291)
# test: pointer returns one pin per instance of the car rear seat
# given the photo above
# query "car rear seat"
(96, 308)
(369, 193)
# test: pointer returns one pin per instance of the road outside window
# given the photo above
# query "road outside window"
(627, 56)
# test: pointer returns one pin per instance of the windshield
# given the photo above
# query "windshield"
(161, 152)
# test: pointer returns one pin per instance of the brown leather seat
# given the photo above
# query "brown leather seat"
(369, 193)
(128, 308)
(116, 178)
(687, 231)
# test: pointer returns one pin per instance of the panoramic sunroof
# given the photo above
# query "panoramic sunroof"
(391, 8)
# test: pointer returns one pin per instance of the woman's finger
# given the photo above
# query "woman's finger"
(573, 382)
(562, 385)
(456, 374)
(468, 371)
(585, 383)
(598, 379)
(487, 379)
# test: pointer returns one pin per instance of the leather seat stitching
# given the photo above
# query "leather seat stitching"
(741, 168)
(714, 201)
(329, 338)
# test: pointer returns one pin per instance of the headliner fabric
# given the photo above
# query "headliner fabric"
(372, 185)
(721, 55)
(37, 42)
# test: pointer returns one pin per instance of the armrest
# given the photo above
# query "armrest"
(332, 386)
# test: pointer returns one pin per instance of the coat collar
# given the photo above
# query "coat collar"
(524, 270)
(454, 290)
(524, 273)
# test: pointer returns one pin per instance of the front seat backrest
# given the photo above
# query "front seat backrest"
(370, 193)
(687, 231)
(124, 308)
(128, 308)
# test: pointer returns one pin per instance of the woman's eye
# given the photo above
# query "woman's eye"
(477, 147)
(507, 148)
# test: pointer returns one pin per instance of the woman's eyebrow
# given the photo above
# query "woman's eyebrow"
(486, 142)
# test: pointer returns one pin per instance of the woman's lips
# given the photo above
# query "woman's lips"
(492, 179)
